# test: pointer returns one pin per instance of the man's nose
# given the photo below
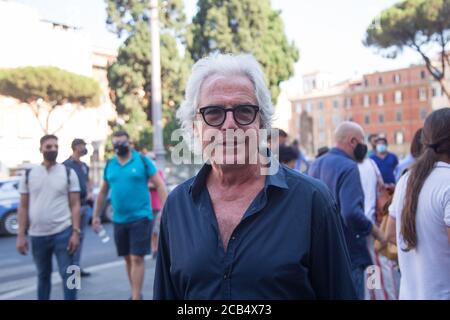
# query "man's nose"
(229, 122)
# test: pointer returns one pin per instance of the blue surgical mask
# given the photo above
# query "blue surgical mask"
(381, 148)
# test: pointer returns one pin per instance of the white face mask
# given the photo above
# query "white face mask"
(381, 148)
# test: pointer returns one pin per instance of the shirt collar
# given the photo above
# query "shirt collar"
(340, 152)
(277, 180)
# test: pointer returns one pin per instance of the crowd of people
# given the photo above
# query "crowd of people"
(352, 224)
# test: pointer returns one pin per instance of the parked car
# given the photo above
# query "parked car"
(9, 202)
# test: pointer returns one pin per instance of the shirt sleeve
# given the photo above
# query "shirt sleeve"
(163, 288)
(74, 182)
(151, 168)
(351, 200)
(330, 261)
(23, 187)
(396, 207)
(447, 208)
(105, 172)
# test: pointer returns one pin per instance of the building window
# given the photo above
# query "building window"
(380, 80)
(321, 123)
(398, 97)
(366, 83)
(322, 137)
(380, 99)
(308, 107)
(320, 105)
(422, 94)
(335, 104)
(336, 120)
(399, 137)
(298, 108)
(422, 74)
(348, 102)
(366, 119)
(366, 100)
(397, 78)
(398, 116)
(381, 118)
(423, 113)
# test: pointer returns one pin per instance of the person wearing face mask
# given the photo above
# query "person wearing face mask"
(127, 175)
(339, 170)
(385, 160)
(82, 170)
(49, 213)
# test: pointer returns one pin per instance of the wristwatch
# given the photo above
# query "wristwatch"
(76, 230)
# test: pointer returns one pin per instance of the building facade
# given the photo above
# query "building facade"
(392, 103)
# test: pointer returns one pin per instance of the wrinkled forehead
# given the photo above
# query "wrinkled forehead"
(220, 89)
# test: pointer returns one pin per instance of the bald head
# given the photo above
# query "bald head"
(348, 130)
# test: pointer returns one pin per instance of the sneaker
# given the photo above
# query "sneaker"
(84, 273)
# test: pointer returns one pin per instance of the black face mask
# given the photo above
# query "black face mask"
(360, 152)
(84, 152)
(121, 149)
(50, 155)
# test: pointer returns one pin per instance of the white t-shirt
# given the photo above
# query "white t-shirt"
(369, 173)
(426, 269)
(48, 210)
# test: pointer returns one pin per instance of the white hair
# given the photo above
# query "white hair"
(224, 65)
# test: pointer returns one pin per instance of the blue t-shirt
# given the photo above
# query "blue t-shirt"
(130, 196)
(386, 166)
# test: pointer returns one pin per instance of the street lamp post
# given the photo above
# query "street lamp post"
(158, 145)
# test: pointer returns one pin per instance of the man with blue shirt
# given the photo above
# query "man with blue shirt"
(338, 169)
(234, 232)
(385, 160)
(127, 175)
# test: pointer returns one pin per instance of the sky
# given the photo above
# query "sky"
(328, 33)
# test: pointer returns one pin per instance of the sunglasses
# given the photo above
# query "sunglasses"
(215, 116)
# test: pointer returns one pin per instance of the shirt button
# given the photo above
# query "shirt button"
(233, 238)
(225, 276)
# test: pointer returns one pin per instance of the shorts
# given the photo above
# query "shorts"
(133, 238)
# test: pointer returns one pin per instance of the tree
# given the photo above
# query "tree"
(130, 76)
(422, 25)
(45, 89)
(249, 26)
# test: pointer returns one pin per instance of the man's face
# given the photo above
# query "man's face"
(372, 142)
(49, 145)
(228, 93)
(80, 149)
(120, 140)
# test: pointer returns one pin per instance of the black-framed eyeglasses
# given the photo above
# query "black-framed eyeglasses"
(215, 116)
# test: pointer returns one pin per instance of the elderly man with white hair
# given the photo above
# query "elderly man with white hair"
(233, 232)
(338, 169)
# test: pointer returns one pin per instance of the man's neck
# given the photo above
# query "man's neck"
(125, 158)
(48, 164)
(75, 157)
(235, 175)
(345, 149)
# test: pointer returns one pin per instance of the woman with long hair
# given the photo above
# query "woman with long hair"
(419, 216)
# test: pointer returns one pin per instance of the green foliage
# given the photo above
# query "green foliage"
(250, 26)
(422, 25)
(55, 86)
(130, 76)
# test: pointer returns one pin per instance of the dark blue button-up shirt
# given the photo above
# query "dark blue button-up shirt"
(340, 173)
(288, 245)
